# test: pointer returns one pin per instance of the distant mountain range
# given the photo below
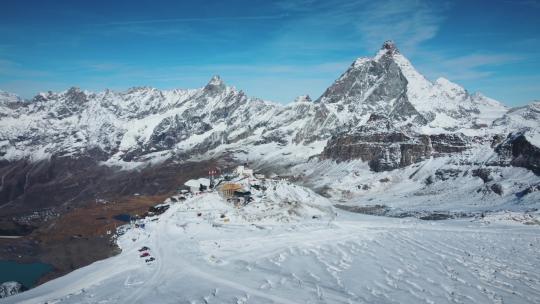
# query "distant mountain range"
(381, 111)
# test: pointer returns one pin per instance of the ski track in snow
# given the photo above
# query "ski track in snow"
(352, 259)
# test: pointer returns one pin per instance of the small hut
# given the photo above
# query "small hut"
(197, 185)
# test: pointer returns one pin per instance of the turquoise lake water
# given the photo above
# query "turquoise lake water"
(27, 274)
(123, 217)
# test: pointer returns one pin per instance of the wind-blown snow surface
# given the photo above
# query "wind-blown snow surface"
(348, 258)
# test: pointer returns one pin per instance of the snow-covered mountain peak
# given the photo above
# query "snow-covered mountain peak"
(216, 81)
(75, 92)
(360, 62)
(388, 48)
(140, 89)
(215, 86)
(450, 88)
(389, 84)
(443, 82)
(6, 97)
(524, 117)
(303, 98)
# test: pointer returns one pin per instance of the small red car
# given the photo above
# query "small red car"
(145, 254)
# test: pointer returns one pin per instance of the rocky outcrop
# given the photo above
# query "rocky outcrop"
(386, 147)
(393, 149)
(529, 190)
(448, 143)
(446, 174)
(380, 144)
(484, 173)
(10, 288)
(517, 150)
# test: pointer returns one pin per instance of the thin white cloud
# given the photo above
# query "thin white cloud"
(481, 60)
(468, 67)
(409, 23)
(362, 23)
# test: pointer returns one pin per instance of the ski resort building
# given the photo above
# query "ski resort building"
(227, 190)
(195, 185)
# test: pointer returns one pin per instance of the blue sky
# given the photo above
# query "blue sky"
(274, 50)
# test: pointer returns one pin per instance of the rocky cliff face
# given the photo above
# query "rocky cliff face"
(392, 149)
(519, 150)
(380, 144)
(449, 143)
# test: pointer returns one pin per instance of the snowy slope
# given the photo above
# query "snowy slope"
(351, 259)
(446, 184)
(525, 117)
(446, 104)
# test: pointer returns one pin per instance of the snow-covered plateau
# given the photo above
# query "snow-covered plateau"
(204, 250)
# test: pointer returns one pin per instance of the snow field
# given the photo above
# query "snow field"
(352, 258)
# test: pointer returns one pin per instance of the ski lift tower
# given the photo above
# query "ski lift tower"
(211, 173)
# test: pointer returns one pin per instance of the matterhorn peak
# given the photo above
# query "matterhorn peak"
(390, 47)
(216, 81)
(216, 85)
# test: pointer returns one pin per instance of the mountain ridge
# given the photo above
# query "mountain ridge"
(144, 126)
(137, 123)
